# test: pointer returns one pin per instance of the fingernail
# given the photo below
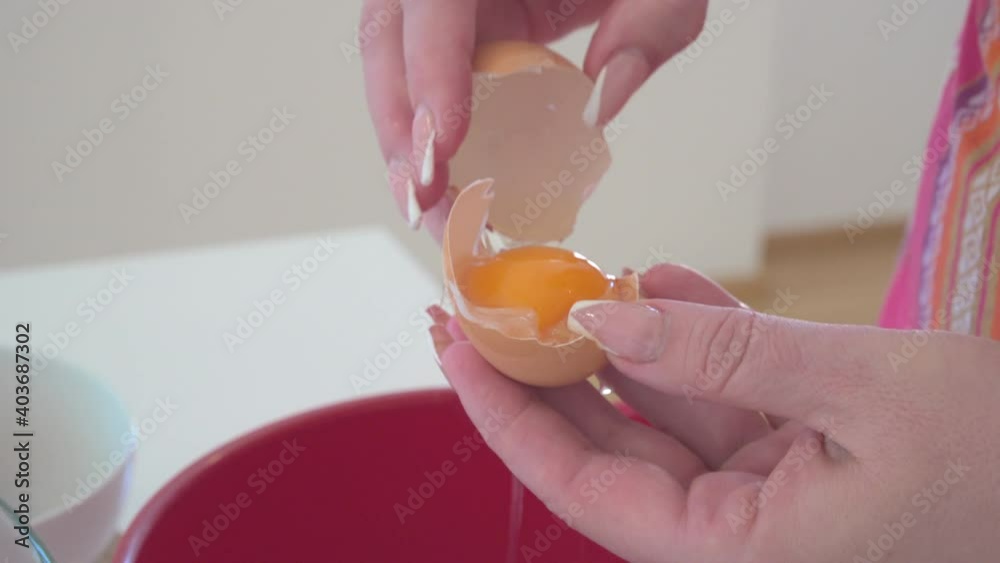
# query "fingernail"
(619, 78)
(593, 107)
(399, 173)
(632, 331)
(440, 340)
(438, 315)
(424, 135)
(413, 212)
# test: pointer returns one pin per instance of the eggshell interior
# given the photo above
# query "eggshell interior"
(527, 133)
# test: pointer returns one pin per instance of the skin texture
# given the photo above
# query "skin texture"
(419, 64)
(904, 457)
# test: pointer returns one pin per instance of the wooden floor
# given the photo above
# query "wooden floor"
(826, 278)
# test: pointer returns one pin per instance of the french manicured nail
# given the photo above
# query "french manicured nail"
(620, 77)
(413, 212)
(438, 315)
(632, 331)
(424, 136)
(440, 340)
(399, 175)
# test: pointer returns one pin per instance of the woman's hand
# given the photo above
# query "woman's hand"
(886, 446)
(417, 63)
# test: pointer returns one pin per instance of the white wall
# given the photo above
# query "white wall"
(683, 131)
(886, 94)
(686, 128)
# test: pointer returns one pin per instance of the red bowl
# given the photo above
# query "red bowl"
(394, 478)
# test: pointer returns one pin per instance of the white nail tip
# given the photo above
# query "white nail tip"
(413, 212)
(427, 170)
(593, 109)
(573, 324)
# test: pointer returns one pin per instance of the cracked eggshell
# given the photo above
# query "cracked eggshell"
(509, 338)
(527, 133)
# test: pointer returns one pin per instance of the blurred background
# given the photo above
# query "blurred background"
(220, 69)
(120, 113)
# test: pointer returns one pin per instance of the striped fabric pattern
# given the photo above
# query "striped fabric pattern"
(948, 276)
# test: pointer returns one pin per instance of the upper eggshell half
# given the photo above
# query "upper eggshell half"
(527, 133)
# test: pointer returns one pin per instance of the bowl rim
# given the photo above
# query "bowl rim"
(142, 524)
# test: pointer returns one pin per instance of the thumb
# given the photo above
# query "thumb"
(806, 371)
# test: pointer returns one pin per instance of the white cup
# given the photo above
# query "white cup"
(78, 467)
(16, 547)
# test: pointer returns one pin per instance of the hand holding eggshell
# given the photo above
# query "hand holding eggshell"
(513, 336)
(851, 472)
(418, 65)
(512, 290)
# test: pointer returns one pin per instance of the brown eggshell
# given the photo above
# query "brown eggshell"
(508, 338)
(532, 362)
(527, 133)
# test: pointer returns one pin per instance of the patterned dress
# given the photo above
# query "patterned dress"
(948, 277)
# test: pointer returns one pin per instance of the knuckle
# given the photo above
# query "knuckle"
(725, 350)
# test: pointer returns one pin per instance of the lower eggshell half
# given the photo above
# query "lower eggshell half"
(508, 340)
(543, 364)
(533, 363)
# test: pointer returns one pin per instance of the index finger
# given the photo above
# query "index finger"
(438, 40)
(633, 39)
(637, 516)
(388, 98)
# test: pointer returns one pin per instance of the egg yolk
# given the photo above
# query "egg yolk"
(544, 279)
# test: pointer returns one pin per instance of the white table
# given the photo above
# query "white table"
(161, 336)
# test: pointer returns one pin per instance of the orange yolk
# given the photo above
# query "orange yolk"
(544, 279)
